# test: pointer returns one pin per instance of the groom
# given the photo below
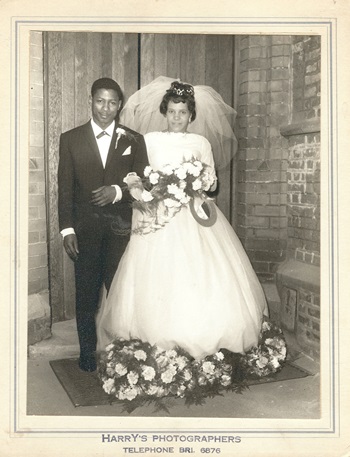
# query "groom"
(94, 209)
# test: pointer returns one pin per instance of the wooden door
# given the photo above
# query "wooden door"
(72, 61)
(196, 59)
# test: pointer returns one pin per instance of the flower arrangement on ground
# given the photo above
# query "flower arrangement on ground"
(170, 188)
(266, 358)
(137, 373)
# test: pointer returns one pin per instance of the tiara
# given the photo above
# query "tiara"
(179, 88)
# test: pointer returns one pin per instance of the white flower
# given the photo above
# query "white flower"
(275, 363)
(187, 375)
(173, 189)
(110, 371)
(148, 373)
(170, 203)
(219, 355)
(202, 380)
(120, 369)
(171, 353)
(128, 393)
(167, 377)
(146, 196)
(152, 390)
(108, 385)
(208, 367)
(185, 199)
(120, 131)
(180, 173)
(110, 355)
(140, 355)
(147, 171)
(181, 391)
(266, 326)
(133, 377)
(109, 347)
(262, 362)
(168, 170)
(197, 184)
(154, 177)
(181, 362)
(225, 380)
(198, 164)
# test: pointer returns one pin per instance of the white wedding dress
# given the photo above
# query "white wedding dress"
(185, 284)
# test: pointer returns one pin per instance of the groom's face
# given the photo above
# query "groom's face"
(105, 104)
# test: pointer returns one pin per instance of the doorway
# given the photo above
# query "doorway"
(73, 60)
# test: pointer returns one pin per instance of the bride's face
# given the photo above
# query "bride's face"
(178, 117)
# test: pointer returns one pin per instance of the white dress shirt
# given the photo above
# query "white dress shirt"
(103, 144)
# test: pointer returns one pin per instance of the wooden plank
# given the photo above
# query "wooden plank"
(130, 63)
(160, 55)
(68, 81)
(174, 56)
(147, 58)
(106, 47)
(53, 86)
(94, 57)
(82, 111)
(68, 122)
(118, 69)
(192, 66)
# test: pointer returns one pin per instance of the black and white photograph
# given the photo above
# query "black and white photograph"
(174, 280)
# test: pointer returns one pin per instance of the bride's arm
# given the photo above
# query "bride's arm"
(208, 159)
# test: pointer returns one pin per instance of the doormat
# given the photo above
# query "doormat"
(84, 389)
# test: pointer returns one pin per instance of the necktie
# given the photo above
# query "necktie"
(100, 135)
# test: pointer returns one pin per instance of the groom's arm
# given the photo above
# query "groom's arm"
(65, 180)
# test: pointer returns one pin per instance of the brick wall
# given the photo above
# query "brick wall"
(264, 104)
(38, 302)
(298, 280)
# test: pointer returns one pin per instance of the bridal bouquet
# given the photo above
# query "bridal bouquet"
(170, 188)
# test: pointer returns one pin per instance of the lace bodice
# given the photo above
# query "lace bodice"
(165, 148)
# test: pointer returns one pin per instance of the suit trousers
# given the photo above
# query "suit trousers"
(101, 247)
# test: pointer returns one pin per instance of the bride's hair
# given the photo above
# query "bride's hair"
(179, 92)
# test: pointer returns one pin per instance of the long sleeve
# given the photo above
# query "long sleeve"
(65, 185)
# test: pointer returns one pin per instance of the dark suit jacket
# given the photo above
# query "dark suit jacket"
(80, 171)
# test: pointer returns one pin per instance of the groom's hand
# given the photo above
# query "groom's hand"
(103, 195)
(70, 243)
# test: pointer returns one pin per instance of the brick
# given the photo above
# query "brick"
(276, 222)
(260, 267)
(255, 221)
(36, 176)
(270, 233)
(37, 249)
(269, 255)
(36, 200)
(37, 261)
(269, 210)
(33, 237)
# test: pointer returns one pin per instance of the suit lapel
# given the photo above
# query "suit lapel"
(111, 150)
(93, 143)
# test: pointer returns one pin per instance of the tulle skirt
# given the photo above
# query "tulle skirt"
(185, 285)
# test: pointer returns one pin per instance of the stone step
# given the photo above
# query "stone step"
(63, 342)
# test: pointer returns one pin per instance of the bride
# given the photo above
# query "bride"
(186, 280)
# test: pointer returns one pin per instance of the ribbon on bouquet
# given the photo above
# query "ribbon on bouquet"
(203, 210)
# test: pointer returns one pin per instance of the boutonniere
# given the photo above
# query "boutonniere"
(120, 133)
